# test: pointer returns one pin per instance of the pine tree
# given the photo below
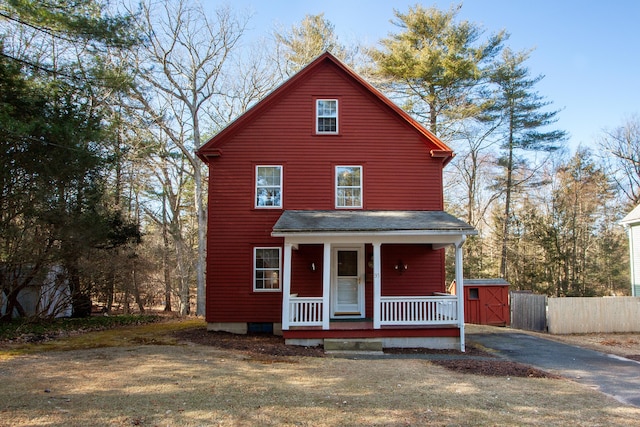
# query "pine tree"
(520, 112)
(301, 44)
(435, 66)
(55, 153)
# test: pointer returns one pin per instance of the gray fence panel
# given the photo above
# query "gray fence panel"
(528, 311)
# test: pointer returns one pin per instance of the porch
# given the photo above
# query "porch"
(392, 315)
(405, 322)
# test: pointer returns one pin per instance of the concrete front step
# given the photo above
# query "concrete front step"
(352, 345)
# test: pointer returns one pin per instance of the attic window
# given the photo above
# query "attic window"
(327, 116)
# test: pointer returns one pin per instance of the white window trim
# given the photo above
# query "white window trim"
(255, 269)
(318, 132)
(255, 189)
(360, 187)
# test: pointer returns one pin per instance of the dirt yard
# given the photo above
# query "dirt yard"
(191, 378)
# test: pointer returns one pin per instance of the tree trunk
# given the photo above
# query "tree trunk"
(136, 289)
(110, 291)
(165, 253)
(507, 211)
(185, 306)
(201, 213)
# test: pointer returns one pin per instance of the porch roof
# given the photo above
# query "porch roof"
(313, 222)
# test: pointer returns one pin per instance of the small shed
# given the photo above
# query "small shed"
(486, 301)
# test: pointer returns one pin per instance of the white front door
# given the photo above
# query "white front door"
(347, 284)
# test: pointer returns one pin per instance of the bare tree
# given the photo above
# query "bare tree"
(186, 55)
(473, 170)
(622, 148)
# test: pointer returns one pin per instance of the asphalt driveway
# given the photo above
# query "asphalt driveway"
(613, 375)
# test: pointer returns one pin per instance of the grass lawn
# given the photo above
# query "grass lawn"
(143, 376)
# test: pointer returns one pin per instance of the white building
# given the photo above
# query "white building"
(632, 223)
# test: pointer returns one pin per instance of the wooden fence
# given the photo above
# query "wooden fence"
(574, 315)
(528, 311)
(587, 315)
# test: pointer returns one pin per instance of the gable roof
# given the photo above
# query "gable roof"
(212, 147)
(632, 218)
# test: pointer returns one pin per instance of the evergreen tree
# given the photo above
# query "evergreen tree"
(573, 246)
(55, 156)
(523, 126)
(300, 45)
(435, 66)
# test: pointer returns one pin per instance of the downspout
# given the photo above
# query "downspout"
(460, 290)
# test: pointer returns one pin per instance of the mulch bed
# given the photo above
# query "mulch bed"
(262, 344)
(494, 368)
(266, 347)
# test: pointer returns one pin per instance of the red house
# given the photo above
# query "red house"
(326, 219)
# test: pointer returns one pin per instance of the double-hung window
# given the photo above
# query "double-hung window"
(327, 116)
(348, 186)
(266, 269)
(269, 186)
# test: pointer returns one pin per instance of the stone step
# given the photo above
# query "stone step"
(352, 345)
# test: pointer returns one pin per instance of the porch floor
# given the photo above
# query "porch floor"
(363, 328)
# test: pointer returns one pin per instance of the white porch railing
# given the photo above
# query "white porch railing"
(423, 311)
(437, 310)
(305, 311)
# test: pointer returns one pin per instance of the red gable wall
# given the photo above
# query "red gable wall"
(399, 173)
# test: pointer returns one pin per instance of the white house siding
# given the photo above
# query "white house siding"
(634, 246)
(632, 223)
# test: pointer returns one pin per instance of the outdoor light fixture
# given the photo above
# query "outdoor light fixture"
(313, 266)
(400, 266)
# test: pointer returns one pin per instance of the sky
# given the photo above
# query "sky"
(588, 50)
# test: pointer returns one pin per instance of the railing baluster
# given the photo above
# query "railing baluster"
(305, 311)
(436, 310)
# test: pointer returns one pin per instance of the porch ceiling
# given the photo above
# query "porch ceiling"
(425, 225)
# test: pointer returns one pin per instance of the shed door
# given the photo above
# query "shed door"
(494, 299)
(347, 286)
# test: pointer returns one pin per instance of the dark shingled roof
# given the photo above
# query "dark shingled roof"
(369, 221)
(485, 282)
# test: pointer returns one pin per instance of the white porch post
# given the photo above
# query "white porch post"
(326, 285)
(286, 286)
(377, 285)
(460, 290)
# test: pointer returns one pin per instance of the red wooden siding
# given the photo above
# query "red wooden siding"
(304, 281)
(424, 274)
(398, 174)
